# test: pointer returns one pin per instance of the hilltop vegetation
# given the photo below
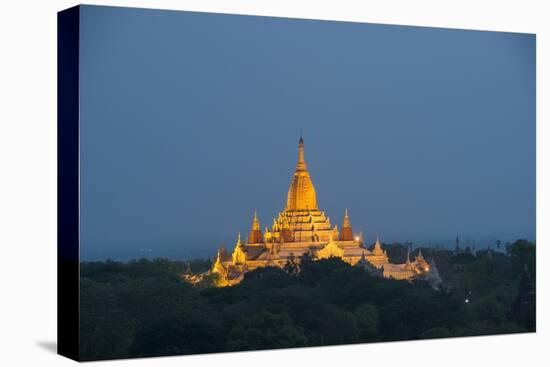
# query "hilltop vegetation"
(143, 308)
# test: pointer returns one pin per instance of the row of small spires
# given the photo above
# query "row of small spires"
(346, 224)
(256, 229)
(377, 244)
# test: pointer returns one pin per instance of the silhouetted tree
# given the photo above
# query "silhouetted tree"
(291, 266)
(524, 306)
(265, 330)
(144, 308)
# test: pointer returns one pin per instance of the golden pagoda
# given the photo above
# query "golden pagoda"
(301, 228)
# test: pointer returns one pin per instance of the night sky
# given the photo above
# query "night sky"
(190, 121)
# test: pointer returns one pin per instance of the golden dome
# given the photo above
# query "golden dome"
(301, 194)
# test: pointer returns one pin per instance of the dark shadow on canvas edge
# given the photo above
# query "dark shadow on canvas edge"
(48, 345)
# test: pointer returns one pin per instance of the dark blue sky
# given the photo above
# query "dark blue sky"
(190, 121)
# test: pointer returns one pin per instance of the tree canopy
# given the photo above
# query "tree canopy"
(144, 308)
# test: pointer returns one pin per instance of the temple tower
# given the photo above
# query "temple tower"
(346, 234)
(218, 264)
(377, 250)
(255, 235)
(239, 253)
(301, 194)
(378, 256)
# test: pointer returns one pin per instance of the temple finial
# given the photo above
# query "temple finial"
(301, 166)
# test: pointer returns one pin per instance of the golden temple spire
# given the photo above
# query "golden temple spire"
(239, 255)
(346, 223)
(218, 267)
(255, 235)
(301, 194)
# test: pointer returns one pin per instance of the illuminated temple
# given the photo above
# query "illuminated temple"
(300, 228)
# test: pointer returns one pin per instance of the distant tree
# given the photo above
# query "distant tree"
(436, 332)
(199, 265)
(397, 252)
(334, 325)
(306, 259)
(269, 276)
(291, 266)
(489, 309)
(314, 272)
(265, 330)
(487, 328)
(144, 308)
(462, 259)
(522, 252)
(524, 307)
(105, 330)
(366, 316)
(186, 332)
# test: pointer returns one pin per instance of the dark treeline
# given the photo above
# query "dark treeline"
(143, 308)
